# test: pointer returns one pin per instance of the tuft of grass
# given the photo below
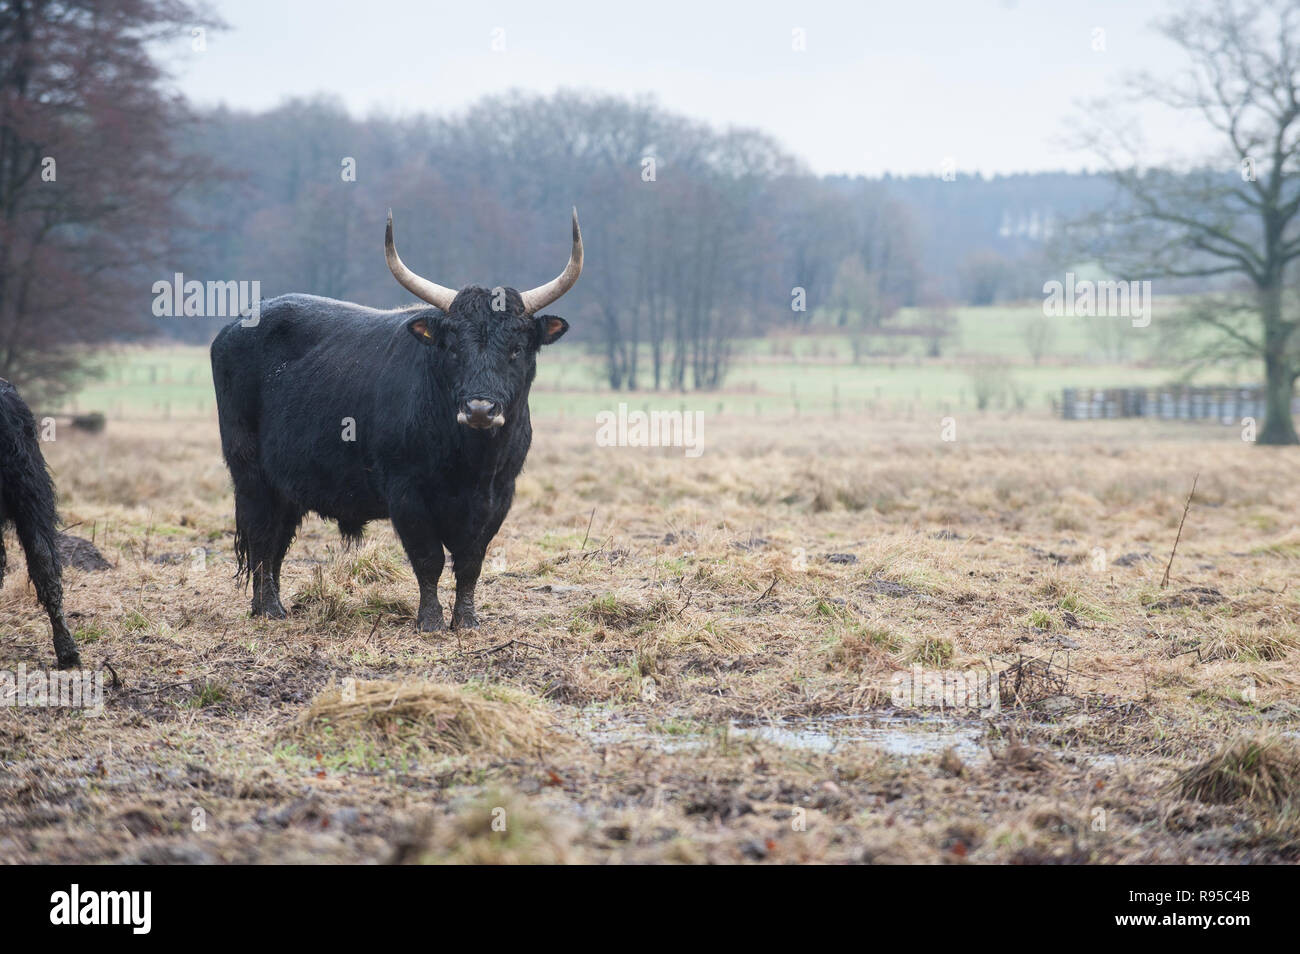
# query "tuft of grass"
(378, 603)
(1250, 644)
(90, 634)
(135, 622)
(825, 609)
(1041, 619)
(208, 694)
(430, 716)
(1076, 604)
(612, 610)
(933, 652)
(369, 563)
(323, 599)
(1263, 771)
(862, 647)
(1288, 547)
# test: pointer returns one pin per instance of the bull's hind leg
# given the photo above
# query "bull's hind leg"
(265, 526)
(44, 569)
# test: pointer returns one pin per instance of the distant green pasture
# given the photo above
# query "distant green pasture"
(811, 373)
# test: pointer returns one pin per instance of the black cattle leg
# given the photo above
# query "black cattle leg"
(44, 569)
(264, 528)
(286, 525)
(467, 567)
(424, 550)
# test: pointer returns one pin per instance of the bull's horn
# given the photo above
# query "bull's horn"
(538, 298)
(421, 288)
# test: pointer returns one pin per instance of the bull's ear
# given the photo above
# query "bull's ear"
(421, 329)
(550, 329)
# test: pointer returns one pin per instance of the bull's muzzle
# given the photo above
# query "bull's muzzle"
(481, 414)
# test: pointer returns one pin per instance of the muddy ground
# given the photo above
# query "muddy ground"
(685, 660)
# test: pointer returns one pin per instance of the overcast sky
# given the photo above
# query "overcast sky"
(882, 86)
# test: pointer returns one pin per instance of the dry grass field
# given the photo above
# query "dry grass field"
(690, 660)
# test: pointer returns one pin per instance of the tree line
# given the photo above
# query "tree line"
(697, 236)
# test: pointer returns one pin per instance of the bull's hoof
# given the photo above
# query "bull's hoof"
(465, 620)
(70, 662)
(431, 622)
(269, 610)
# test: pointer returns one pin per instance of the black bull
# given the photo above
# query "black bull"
(419, 416)
(27, 500)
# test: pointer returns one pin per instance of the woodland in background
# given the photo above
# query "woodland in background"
(696, 236)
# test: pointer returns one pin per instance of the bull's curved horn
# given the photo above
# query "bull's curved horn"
(421, 288)
(538, 298)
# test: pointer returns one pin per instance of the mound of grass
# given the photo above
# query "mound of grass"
(1262, 771)
(429, 716)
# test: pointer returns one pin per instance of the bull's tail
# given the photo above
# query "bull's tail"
(243, 561)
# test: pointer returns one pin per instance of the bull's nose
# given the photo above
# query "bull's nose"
(481, 414)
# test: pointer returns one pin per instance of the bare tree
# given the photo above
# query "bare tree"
(1235, 215)
(88, 176)
(983, 272)
(937, 326)
(1039, 334)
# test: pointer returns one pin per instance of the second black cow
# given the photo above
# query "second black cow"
(418, 415)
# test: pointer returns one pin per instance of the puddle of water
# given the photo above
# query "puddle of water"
(891, 734)
(897, 736)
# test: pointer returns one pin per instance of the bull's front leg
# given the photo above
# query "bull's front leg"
(425, 552)
(467, 567)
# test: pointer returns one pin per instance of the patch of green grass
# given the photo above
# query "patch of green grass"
(676, 566)
(208, 694)
(1290, 549)
(609, 609)
(674, 727)
(90, 634)
(933, 652)
(1076, 604)
(826, 609)
(776, 375)
(1041, 619)
(135, 622)
(356, 755)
